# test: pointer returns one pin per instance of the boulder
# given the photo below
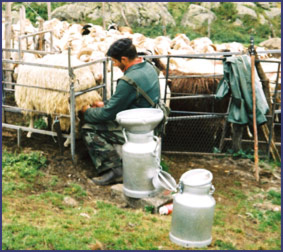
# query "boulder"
(264, 5)
(141, 13)
(244, 10)
(273, 12)
(196, 16)
(238, 22)
(74, 12)
(273, 43)
(248, 4)
(69, 201)
(210, 5)
(262, 19)
(154, 202)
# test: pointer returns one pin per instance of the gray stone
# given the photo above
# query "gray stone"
(273, 12)
(264, 5)
(74, 11)
(248, 4)
(156, 202)
(238, 22)
(196, 16)
(243, 10)
(262, 19)
(275, 4)
(69, 201)
(210, 5)
(273, 43)
(142, 13)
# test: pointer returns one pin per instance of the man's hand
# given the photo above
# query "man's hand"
(97, 104)
(84, 108)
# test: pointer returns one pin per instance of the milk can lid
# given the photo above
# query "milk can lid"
(197, 177)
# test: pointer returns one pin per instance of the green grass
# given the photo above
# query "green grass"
(275, 197)
(20, 171)
(19, 236)
(40, 124)
(69, 230)
(38, 219)
(75, 191)
(238, 194)
(224, 245)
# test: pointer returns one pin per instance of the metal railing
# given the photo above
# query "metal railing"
(181, 115)
(73, 94)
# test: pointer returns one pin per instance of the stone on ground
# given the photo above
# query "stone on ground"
(155, 202)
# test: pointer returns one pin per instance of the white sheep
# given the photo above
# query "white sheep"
(54, 102)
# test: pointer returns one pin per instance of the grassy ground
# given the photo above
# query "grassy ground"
(36, 217)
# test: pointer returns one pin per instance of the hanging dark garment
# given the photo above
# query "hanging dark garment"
(237, 77)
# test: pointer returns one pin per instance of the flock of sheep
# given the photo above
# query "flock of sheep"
(90, 43)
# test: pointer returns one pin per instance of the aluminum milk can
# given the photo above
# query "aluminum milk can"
(139, 164)
(193, 210)
(142, 176)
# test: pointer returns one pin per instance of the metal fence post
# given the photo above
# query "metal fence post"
(72, 105)
(167, 74)
(271, 129)
(104, 80)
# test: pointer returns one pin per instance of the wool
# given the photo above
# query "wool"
(54, 102)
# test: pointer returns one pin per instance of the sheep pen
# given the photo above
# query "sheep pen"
(44, 97)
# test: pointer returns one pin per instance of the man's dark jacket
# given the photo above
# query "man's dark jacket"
(126, 96)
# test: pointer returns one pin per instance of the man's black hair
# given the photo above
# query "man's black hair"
(122, 47)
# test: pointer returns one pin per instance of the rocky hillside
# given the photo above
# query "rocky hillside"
(145, 13)
(221, 21)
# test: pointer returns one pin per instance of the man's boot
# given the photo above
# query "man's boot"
(112, 176)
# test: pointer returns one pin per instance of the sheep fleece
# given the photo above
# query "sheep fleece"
(52, 101)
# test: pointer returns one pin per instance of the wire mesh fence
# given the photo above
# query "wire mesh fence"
(198, 122)
(211, 134)
(194, 133)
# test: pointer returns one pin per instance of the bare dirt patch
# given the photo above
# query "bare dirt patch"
(226, 170)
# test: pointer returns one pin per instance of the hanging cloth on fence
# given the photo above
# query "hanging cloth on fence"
(237, 77)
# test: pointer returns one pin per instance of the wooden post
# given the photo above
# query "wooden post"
(22, 28)
(163, 26)
(103, 15)
(264, 80)
(22, 20)
(267, 132)
(8, 28)
(208, 28)
(48, 10)
(40, 45)
(8, 34)
(252, 52)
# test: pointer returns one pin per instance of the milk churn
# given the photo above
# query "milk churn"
(141, 153)
(193, 210)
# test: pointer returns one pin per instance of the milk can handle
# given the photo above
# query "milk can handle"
(157, 143)
(212, 189)
(172, 188)
(181, 186)
(124, 134)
